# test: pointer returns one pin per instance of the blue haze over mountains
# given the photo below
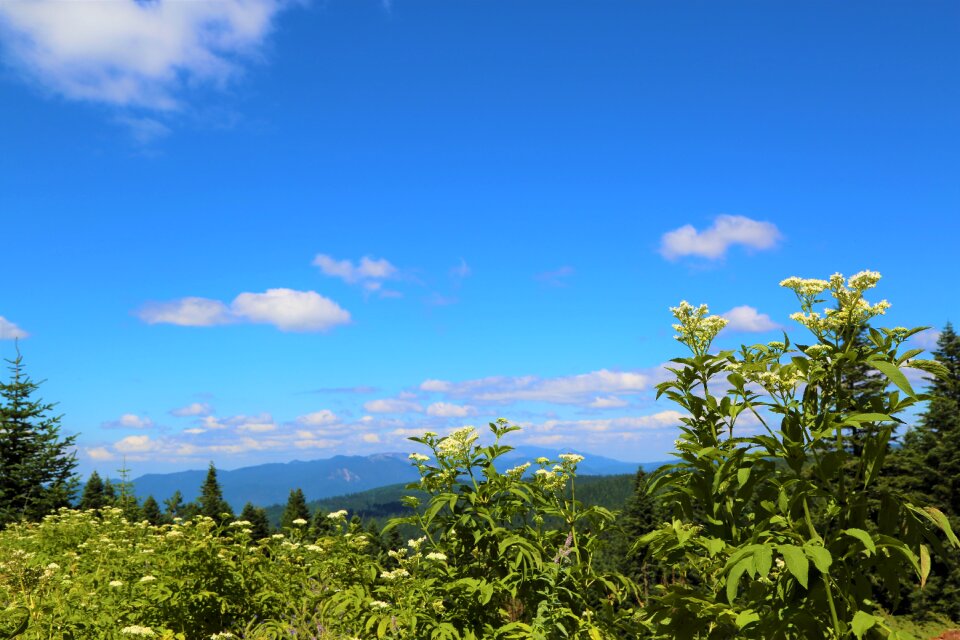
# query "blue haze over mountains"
(269, 484)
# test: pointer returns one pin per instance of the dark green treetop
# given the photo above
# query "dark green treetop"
(211, 502)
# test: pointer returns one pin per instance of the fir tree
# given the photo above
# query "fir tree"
(36, 464)
(174, 505)
(151, 511)
(211, 502)
(641, 514)
(323, 525)
(127, 501)
(109, 493)
(259, 522)
(296, 509)
(928, 466)
(93, 496)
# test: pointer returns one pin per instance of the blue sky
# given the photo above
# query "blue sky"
(268, 230)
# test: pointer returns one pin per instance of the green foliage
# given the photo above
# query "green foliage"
(93, 496)
(151, 511)
(36, 463)
(799, 564)
(257, 517)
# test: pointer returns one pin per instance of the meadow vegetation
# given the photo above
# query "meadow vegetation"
(788, 514)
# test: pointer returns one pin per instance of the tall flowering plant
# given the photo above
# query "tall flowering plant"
(774, 535)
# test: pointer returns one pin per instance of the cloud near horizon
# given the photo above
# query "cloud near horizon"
(286, 309)
(713, 243)
(132, 54)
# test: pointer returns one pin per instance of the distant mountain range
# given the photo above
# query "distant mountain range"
(269, 484)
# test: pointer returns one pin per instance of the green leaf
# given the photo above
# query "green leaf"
(924, 565)
(896, 376)
(743, 474)
(14, 621)
(821, 557)
(862, 621)
(870, 417)
(733, 578)
(763, 560)
(796, 561)
(863, 537)
(747, 616)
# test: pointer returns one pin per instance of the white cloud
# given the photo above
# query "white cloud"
(607, 402)
(318, 418)
(10, 331)
(392, 405)
(576, 389)
(746, 318)
(286, 309)
(368, 271)
(290, 310)
(144, 130)
(370, 438)
(193, 409)
(449, 410)
(128, 53)
(99, 453)
(135, 444)
(923, 340)
(187, 312)
(713, 243)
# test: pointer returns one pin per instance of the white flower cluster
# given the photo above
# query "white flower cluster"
(148, 579)
(395, 574)
(418, 457)
(851, 310)
(437, 556)
(517, 472)
(694, 327)
(379, 604)
(337, 515)
(137, 630)
(299, 522)
(458, 443)
(571, 458)
(223, 635)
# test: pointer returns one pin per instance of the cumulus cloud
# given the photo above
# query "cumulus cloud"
(135, 444)
(193, 409)
(286, 309)
(576, 389)
(450, 410)
(712, 243)
(10, 331)
(99, 453)
(290, 310)
(746, 318)
(128, 53)
(129, 421)
(392, 405)
(923, 340)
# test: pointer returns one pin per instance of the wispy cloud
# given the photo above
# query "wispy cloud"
(577, 389)
(712, 243)
(450, 410)
(133, 54)
(556, 278)
(193, 409)
(286, 309)
(392, 405)
(10, 331)
(369, 273)
(923, 340)
(129, 421)
(748, 319)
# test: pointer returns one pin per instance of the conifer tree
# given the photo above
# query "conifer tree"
(259, 522)
(323, 525)
(93, 496)
(36, 463)
(174, 505)
(127, 500)
(109, 493)
(211, 502)
(296, 509)
(928, 466)
(151, 511)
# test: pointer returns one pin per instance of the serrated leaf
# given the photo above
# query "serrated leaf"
(894, 374)
(924, 565)
(862, 622)
(796, 561)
